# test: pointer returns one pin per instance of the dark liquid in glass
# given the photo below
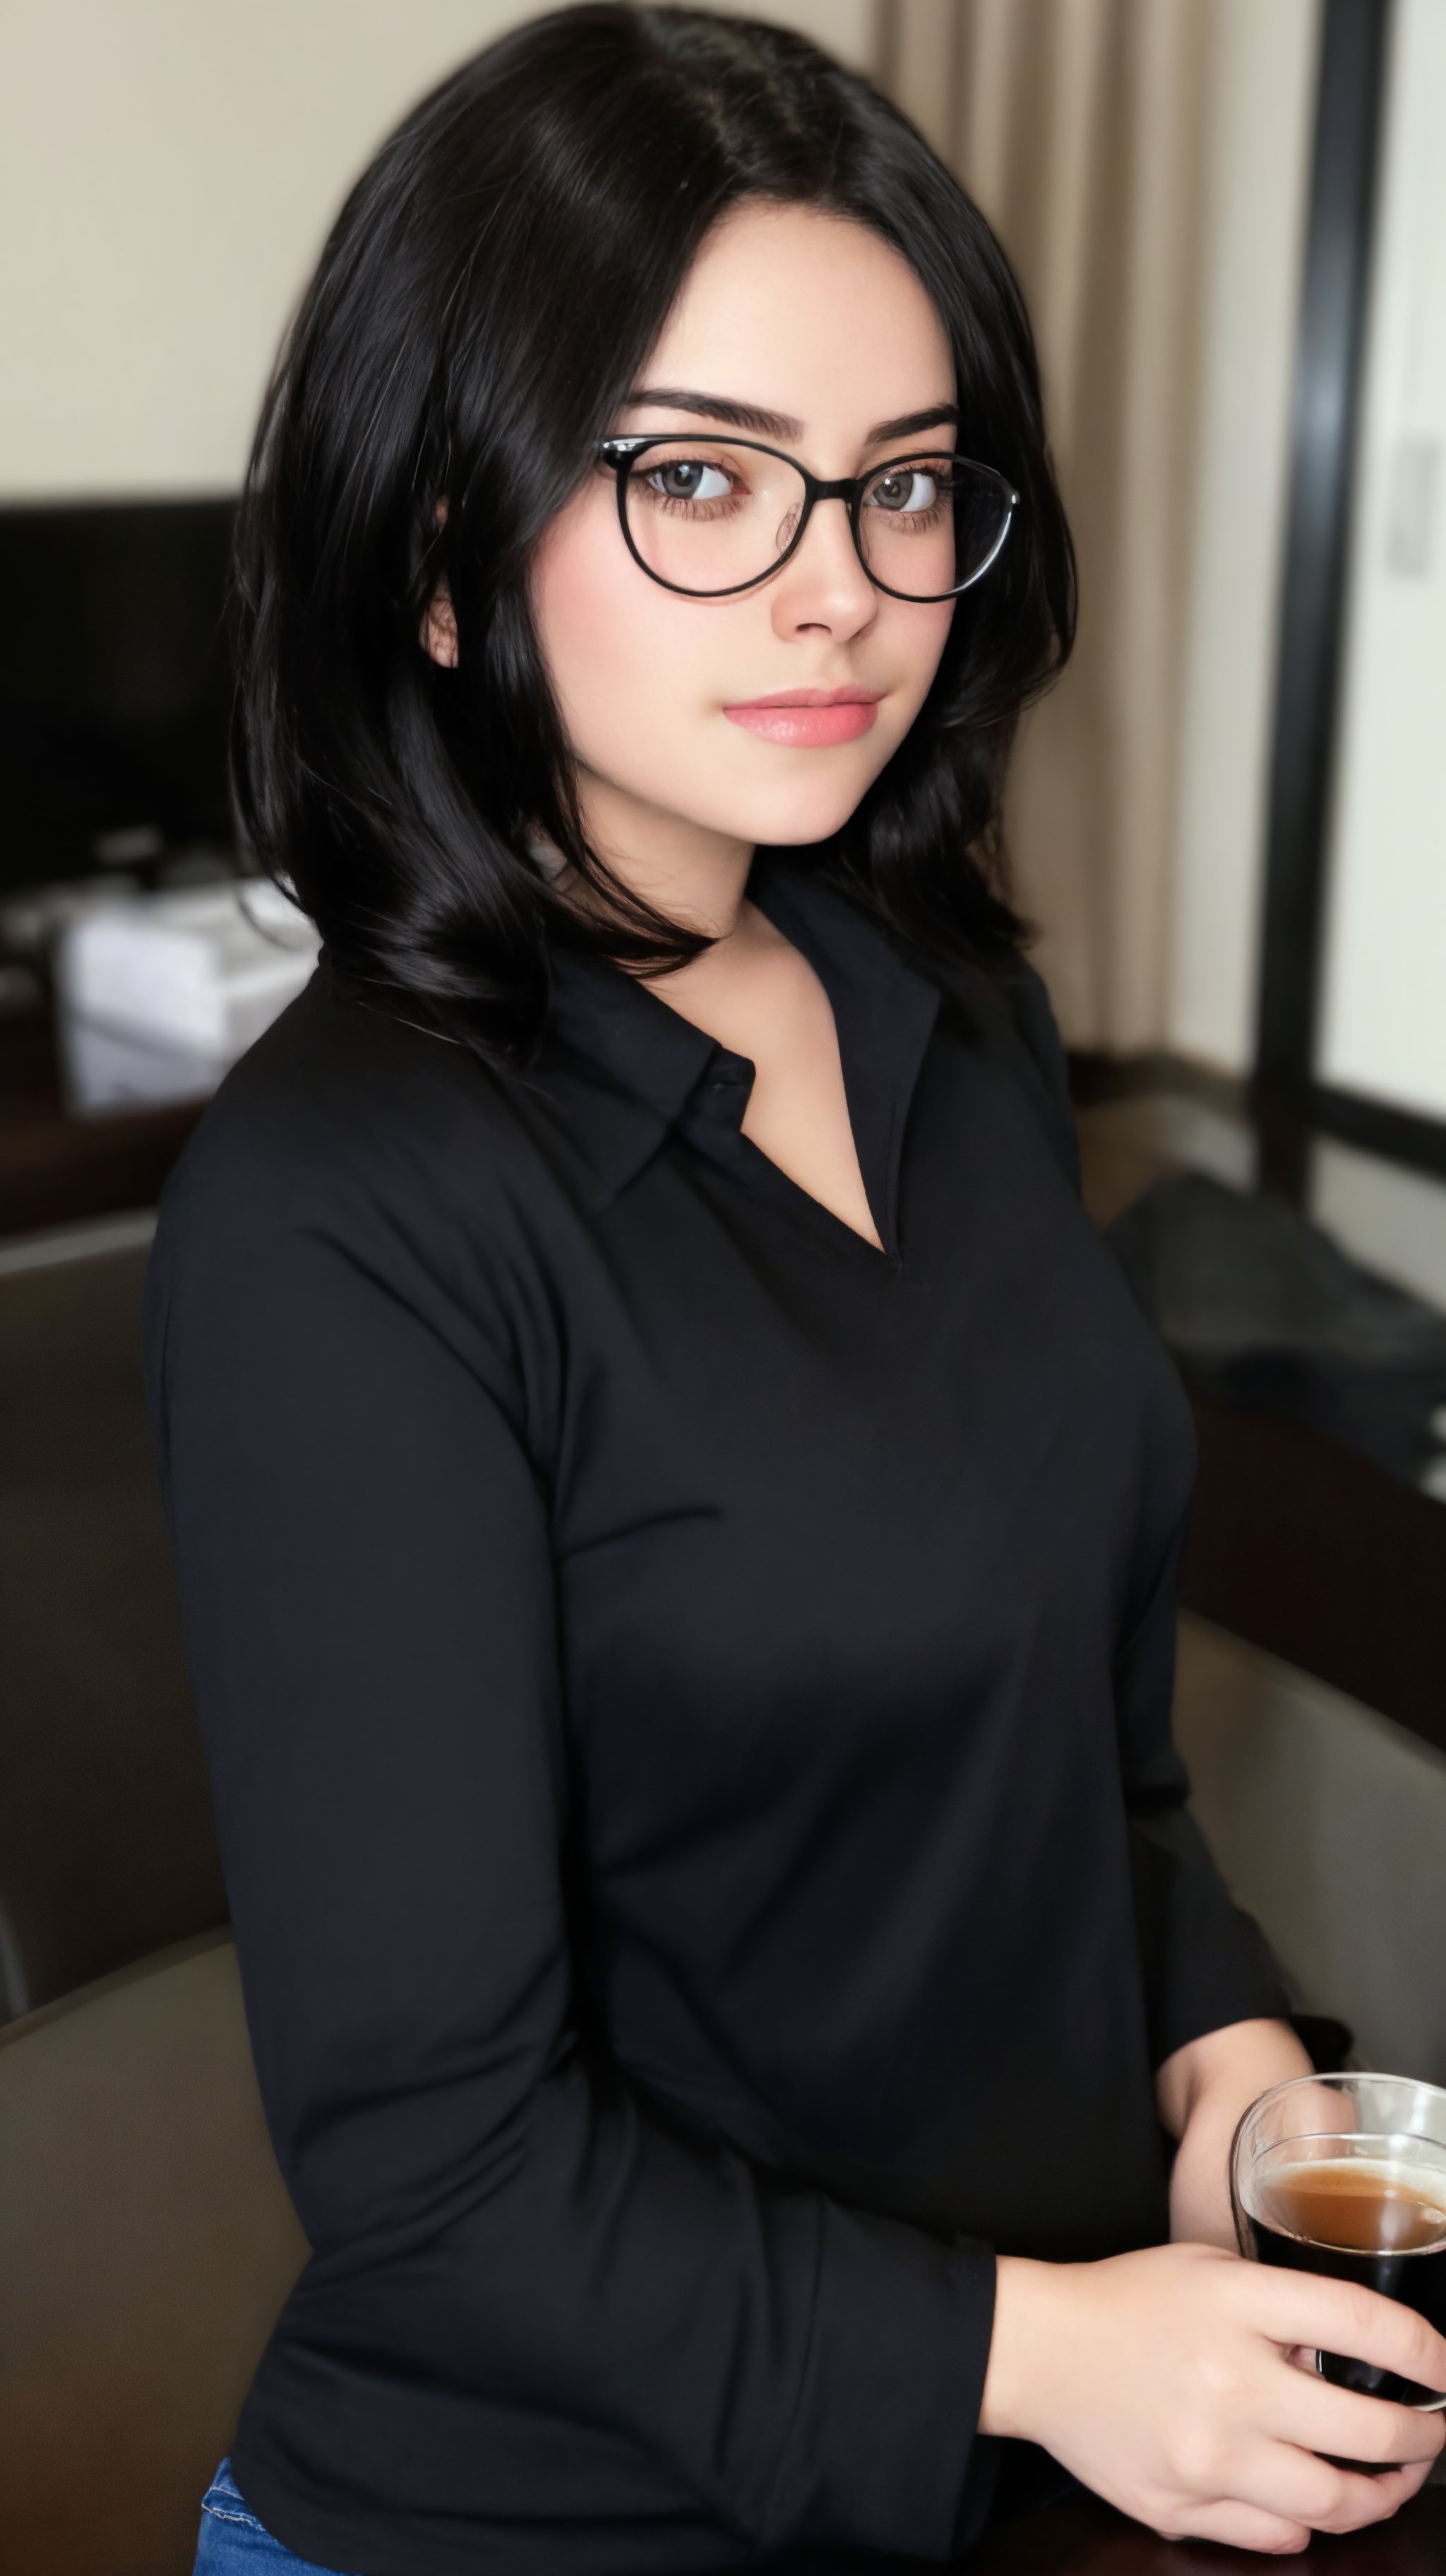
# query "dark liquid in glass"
(1380, 2223)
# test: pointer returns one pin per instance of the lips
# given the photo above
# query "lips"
(808, 719)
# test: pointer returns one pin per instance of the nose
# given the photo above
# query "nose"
(824, 589)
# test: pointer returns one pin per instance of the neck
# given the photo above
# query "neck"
(695, 876)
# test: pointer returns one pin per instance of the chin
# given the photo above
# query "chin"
(812, 811)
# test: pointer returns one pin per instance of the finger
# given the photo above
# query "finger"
(1296, 2487)
(1324, 2495)
(1241, 2526)
(1345, 2426)
(1367, 2500)
(1295, 2308)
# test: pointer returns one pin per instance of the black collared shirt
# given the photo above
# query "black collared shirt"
(687, 1695)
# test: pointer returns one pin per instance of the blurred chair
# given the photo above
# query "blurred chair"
(107, 1845)
(147, 2245)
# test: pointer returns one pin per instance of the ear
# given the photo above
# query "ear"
(438, 633)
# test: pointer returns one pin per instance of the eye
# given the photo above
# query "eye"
(688, 478)
(911, 488)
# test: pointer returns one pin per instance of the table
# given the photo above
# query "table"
(1087, 2539)
(58, 1170)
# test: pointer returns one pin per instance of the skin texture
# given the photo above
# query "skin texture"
(1164, 2379)
(1201, 2092)
(777, 309)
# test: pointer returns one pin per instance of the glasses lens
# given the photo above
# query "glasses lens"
(705, 516)
(930, 525)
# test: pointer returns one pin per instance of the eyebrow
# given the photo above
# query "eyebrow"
(780, 424)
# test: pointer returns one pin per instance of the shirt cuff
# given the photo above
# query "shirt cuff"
(883, 2441)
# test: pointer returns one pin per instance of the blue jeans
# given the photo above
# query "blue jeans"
(233, 2543)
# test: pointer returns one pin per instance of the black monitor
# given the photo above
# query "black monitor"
(114, 683)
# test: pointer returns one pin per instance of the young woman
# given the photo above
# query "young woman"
(676, 1510)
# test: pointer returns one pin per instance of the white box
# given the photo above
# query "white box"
(159, 993)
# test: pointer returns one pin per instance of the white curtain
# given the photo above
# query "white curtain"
(1081, 128)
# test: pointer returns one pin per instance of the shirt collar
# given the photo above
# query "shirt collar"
(621, 1068)
(884, 1011)
(617, 1065)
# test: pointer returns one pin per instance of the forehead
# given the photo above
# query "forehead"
(807, 313)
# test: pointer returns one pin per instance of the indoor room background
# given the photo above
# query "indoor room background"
(1227, 824)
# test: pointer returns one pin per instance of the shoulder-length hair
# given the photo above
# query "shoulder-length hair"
(481, 309)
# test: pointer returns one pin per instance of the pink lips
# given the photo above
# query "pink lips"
(809, 719)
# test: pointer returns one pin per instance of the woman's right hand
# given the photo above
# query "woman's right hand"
(1164, 2380)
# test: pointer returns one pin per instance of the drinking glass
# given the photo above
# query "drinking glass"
(1345, 2175)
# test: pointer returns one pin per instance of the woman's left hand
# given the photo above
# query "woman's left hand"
(1201, 2092)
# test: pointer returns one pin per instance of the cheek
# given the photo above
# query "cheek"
(617, 651)
(916, 636)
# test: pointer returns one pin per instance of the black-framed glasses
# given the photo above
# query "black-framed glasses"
(709, 515)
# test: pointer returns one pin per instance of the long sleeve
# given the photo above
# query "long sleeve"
(368, 1586)
(1205, 1962)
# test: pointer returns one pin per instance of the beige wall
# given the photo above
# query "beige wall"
(1262, 77)
(167, 171)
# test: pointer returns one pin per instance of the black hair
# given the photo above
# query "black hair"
(485, 300)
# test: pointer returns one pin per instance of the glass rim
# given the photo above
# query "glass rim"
(1386, 2141)
(1348, 2075)
(1341, 2078)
